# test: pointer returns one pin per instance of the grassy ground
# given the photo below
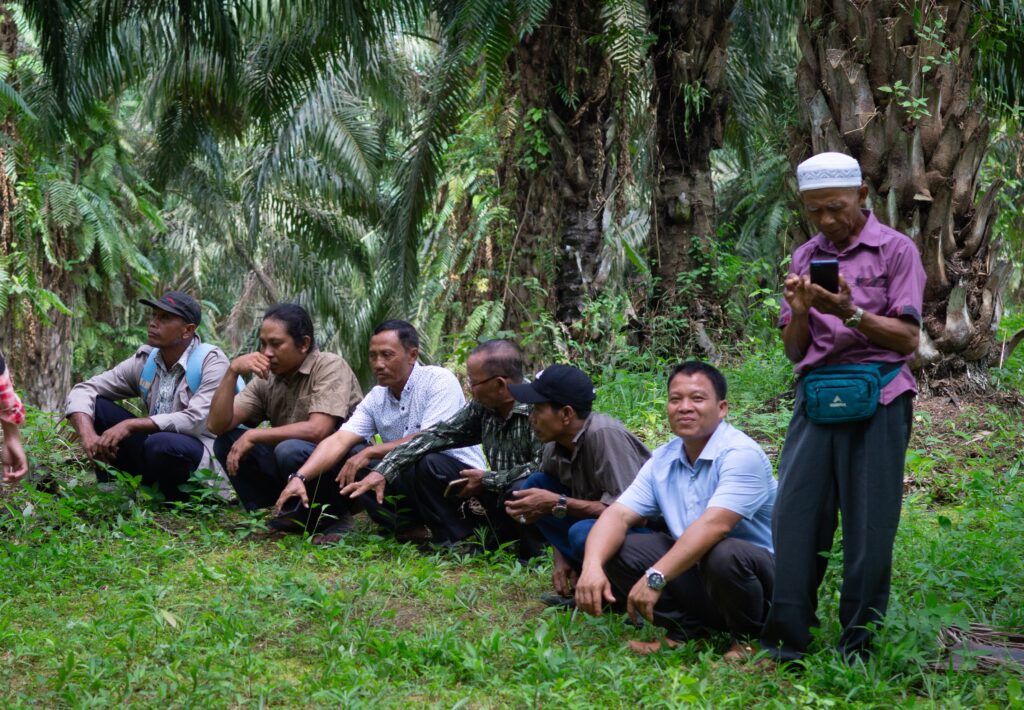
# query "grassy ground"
(105, 600)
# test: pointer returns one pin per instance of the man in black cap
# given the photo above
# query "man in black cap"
(589, 459)
(175, 375)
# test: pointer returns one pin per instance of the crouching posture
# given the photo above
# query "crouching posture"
(175, 375)
(713, 486)
(303, 392)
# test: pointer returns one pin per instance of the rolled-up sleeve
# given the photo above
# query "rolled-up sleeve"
(121, 382)
(192, 419)
(640, 496)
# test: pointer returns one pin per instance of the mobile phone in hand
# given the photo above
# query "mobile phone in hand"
(825, 273)
(454, 484)
(290, 506)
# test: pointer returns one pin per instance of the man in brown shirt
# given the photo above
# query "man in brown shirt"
(302, 392)
(589, 459)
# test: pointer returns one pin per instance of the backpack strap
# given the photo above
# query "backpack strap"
(146, 378)
(194, 369)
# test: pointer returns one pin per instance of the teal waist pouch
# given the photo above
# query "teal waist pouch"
(836, 394)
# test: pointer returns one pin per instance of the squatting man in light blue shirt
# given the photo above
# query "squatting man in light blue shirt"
(713, 485)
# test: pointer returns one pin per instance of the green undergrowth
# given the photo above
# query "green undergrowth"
(108, 599)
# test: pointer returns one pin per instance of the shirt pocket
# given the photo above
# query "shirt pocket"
(871, 292)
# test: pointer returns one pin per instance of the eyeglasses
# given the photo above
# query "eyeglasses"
(474, 385)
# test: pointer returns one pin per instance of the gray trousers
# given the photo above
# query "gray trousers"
(728, 590)
(856, 468)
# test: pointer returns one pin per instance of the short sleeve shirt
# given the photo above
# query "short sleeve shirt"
(324, 383)
(604, 460)
(732, 472)
(886, 277)
(431, 394)
(11, 408)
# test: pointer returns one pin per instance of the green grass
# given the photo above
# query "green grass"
(105, 600)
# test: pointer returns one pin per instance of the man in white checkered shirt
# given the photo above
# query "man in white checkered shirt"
(408, 398)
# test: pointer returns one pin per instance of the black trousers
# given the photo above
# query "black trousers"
(451, 518)
(728, 590)
(856, 468)
(165, 459)
(264, 471)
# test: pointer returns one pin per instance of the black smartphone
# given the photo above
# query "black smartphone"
(825, 273)
(290, 506)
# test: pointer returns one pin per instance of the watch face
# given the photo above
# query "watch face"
(655, 580)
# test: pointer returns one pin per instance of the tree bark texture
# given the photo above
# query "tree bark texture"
(38, 348)
(562, 162)
(690, 102)
(890, 84)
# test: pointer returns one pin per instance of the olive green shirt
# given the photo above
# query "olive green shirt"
(323, 383)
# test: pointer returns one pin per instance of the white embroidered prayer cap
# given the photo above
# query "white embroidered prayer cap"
(826, 170)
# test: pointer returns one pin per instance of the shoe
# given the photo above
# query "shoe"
(333, 533)
(558, 601)
(418, 533)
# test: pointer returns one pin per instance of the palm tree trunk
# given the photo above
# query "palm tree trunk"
(689, 61)
(38, 350)
(561, 164)
(890, 84)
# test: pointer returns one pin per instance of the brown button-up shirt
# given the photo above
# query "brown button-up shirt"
(604, 461)
(323, 383)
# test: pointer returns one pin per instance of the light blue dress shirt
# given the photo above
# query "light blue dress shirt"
(732, 472)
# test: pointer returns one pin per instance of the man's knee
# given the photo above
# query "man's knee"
(222, 447)
(539, 479)
(167, 444)
(578, 537)
(290, 454)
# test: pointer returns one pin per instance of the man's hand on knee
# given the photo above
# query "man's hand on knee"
(239, 450)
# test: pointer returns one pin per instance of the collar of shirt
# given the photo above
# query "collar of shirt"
(409, 384)
(520, 408)
(302, 370)
(566, 455)
(710, 451)
(181, 362)
(870, 236)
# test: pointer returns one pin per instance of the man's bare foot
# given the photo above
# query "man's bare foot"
(739, 652)
(645, 648)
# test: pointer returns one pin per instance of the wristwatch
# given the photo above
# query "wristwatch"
(297, 475)
(655, 579)
(854, 320)
(561, 507)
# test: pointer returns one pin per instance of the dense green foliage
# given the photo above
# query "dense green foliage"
(110, 600)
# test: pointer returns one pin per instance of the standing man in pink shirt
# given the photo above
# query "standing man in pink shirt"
(850, 319)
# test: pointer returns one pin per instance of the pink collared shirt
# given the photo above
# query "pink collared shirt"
(886, 277)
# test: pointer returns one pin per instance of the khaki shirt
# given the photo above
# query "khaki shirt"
(323, 383)
(604, 461)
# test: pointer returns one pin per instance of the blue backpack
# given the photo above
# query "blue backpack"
(193, 371)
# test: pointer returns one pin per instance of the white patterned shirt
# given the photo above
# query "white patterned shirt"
(431, 395)
(163, 402)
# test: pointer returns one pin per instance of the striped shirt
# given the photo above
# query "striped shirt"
(511, 447)
(431, 395)
(12, 410)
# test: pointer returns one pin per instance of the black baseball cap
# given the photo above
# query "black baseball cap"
(177, 302)
(562, 384)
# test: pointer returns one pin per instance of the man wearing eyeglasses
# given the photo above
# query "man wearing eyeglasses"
(494, 420)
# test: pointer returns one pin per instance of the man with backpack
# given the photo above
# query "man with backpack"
(175, 375)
